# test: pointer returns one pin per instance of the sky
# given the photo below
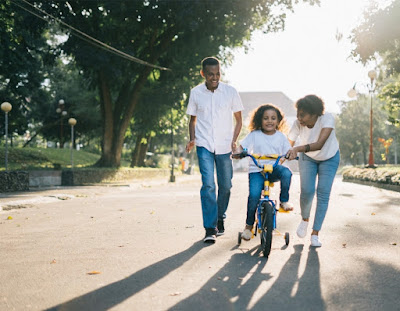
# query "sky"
(305, 58)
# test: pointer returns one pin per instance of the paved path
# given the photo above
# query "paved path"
(142, 242)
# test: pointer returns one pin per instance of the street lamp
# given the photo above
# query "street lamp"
(353, 93)
(172, 177)
(63, 113)
(6, 107)
(72, 122)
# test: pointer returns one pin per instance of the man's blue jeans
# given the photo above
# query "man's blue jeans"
(214, 207)
(309, 170)
(256, 185)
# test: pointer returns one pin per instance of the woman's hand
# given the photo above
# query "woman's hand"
(291, 154)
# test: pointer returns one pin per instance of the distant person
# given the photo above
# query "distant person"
(266, 137)
(319, 157)
(211, 106)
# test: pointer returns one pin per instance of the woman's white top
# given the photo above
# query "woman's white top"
(260, 143)
(310, 135)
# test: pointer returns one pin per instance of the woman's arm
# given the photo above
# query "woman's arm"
(323, 137)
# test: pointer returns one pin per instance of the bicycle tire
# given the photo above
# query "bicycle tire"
(267, 228)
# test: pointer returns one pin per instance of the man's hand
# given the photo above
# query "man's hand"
(234, 146)
(190, 145)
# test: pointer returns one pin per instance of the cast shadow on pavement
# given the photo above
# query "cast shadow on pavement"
(232, 287)
(113, 294)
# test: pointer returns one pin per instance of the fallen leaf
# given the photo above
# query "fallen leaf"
(344, 245)
(373, 214)
(175, 294)
(94, 272)
(394, 243)
(63, 198)
(152, 212)
(53, 261)
(219, 278)
(9, 218)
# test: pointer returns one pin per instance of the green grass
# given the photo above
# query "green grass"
(45, 158)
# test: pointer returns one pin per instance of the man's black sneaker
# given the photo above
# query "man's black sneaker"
(220, 227)
(210, 236)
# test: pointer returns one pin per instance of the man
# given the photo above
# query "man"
(211, 105)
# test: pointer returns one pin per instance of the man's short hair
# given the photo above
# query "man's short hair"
(209, 61)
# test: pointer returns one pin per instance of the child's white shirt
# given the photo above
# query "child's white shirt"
(260, 143)
(310, 135)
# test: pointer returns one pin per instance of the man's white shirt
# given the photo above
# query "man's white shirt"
(213, 111)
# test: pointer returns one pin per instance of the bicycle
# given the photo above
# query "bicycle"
(266, 208)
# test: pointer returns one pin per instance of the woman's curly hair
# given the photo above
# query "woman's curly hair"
(311, 104)
(257, 116)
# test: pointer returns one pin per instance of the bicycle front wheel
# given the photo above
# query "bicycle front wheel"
(267, 228)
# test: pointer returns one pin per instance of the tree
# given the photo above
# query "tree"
(352, 130)
(390, 95)
(169, 33)
(379, 33)
(24, 57)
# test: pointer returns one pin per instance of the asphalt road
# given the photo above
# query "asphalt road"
(139, 247)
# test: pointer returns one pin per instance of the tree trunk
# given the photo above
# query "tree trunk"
(135, 153)
(107, 158)
(143, 151)
(115, 123)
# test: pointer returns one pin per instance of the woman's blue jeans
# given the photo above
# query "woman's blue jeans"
(256, 185)
(213, 206)
(309, 170)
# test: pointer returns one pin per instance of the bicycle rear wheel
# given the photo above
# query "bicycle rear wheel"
(267, 228)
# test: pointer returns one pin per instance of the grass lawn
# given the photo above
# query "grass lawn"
(45, 158)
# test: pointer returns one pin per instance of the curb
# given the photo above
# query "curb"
(374, 184)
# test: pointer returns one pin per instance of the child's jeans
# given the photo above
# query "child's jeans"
(256, 185)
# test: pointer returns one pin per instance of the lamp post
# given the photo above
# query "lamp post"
(72, 122)
(63, 113)
(353, 93)
(172, 177)
(6, 107)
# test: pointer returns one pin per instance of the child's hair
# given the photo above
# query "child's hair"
(257, 116)
(311, 104)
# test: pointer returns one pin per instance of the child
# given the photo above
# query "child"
(266, 138)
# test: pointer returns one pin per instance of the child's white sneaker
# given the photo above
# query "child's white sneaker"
(286, 206)
(315, 241)
(302, 229)
(247, 234)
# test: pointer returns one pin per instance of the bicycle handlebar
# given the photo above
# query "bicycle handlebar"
(256, 157)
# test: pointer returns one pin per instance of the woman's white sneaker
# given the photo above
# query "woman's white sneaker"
(302, 229)
(315, 241)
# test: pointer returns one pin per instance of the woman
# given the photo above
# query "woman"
(319, 156)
